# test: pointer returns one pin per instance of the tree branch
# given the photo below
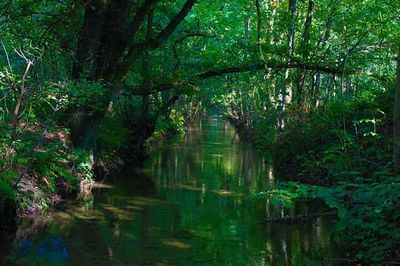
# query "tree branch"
(173, 24)
(273, 65)
(136, 49)
(137, 20)
(141, 90)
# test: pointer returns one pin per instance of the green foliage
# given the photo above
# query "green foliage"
(112, 137)
(112, 134)
(344, 143)
(283, 194)
(51, 164)
(346, 146)
(82, 162)
(38, 145)
(367, 214)
(170, 126)
(265, 134)
(85, 93)
(6, 191)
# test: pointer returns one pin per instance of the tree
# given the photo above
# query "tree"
(106, 51)
(396, 120)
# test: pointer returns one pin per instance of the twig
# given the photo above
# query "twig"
(8, 58)
(17, 107)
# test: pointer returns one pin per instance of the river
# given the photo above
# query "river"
(189, 204)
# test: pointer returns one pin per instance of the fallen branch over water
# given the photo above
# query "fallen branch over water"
(298, 218)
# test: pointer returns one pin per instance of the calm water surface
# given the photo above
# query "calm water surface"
(189, 205)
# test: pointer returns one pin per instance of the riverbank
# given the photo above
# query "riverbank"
(47, 175)
(342, 154)
(53, 173)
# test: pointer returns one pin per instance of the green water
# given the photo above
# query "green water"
(188, 205)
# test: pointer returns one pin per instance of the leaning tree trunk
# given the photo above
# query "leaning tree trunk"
(396, 121)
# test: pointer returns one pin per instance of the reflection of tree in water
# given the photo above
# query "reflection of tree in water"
(197, 213)
(208, 155)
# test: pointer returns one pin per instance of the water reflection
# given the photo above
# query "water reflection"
(209, 175)
(195, 212)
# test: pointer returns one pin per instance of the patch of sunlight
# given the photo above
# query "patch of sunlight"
(223, 192)
(85, 214)
(101, 186)
(120, 197)
(229, 166)
(140, 203)
(134, 208)
(61, 216)
(119, 213)
(175, 244)
(188, 187)
(130, 236)
(152, 200)
(212, 143)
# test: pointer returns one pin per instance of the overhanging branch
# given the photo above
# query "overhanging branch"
(262, 66)
(142, 90)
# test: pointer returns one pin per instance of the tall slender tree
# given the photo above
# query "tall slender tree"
(396, 120)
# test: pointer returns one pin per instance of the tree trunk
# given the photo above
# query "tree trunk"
(300, 97)
(259, 29)
(104, 54)
(286, 93)
(145, 67)
(396, 121)
(89, 39)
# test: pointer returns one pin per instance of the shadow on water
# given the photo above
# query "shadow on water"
(189, 205)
